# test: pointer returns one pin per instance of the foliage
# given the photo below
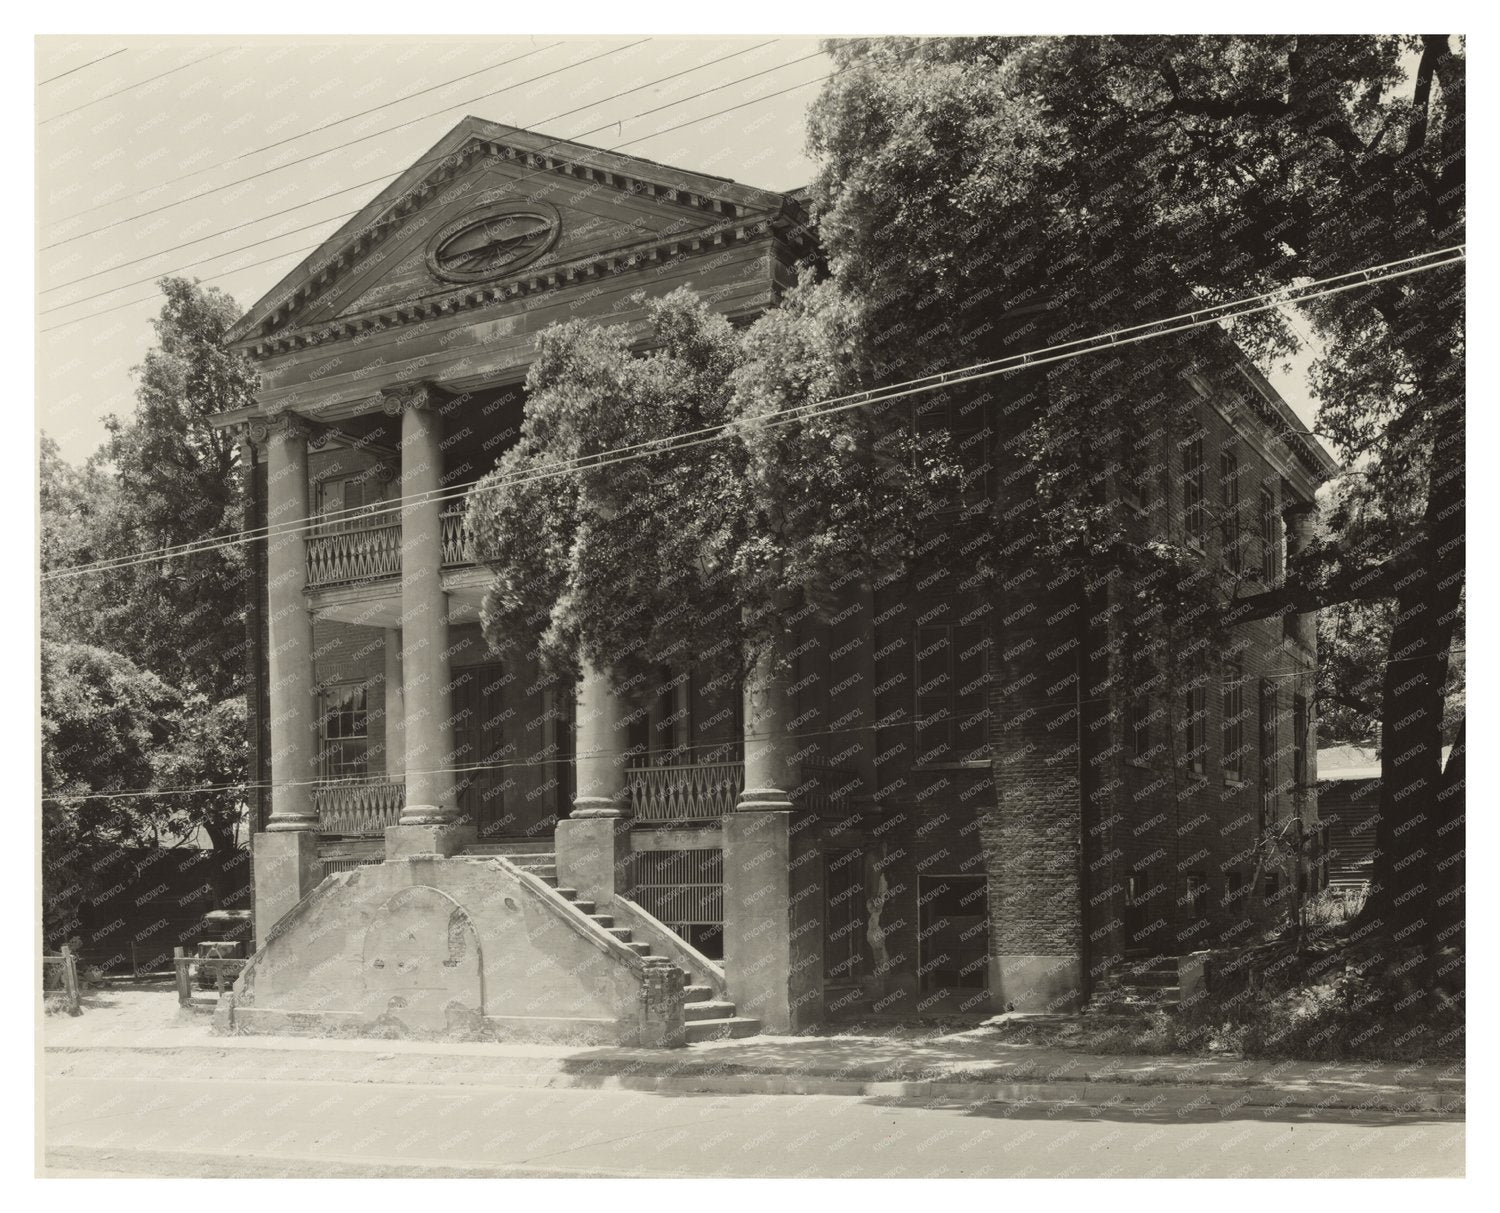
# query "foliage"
(143, 667)
(178, 482)
(693, 555)
(985, 192)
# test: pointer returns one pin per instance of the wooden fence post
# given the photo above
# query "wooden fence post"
(70, 981)
(184, 979)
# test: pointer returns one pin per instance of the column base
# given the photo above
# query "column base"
(1041, 983)
(596, 808)
(427, 815)
(299, 823)
(764, 800)
(593, 856)
(286, 871)
(438, 838)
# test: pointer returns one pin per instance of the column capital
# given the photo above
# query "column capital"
(398, 400)
(283, 423)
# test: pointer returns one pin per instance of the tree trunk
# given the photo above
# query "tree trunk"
(1407, 884)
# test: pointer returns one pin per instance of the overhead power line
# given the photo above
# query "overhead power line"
(266, 172)
(349, 214)
(132, 87)
(569, 760)
(518, 181)
(81, 66)
(1045, 355)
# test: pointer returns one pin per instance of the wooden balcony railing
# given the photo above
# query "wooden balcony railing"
(355, 554)
(365, 807)
(345, 555)
(456, 548)
(705, 791)
(691, 792)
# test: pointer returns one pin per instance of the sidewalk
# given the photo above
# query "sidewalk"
(145, 1030)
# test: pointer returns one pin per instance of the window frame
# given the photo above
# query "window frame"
(923, 722)
(1232, 725)
(1194, 494)
(328, 743)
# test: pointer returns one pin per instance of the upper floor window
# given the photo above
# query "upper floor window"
(1234, 724)
(1195, 728)
(952, 666)
(343, 733)
(345, 502)
(1229, 490)
(1270, 538)
(1194, 512)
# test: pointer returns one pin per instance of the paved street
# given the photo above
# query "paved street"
(104, 1124)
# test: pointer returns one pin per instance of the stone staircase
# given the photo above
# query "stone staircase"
(1139, 984)
(706, 1016)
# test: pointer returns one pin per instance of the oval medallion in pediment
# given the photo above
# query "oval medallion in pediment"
(493, 241)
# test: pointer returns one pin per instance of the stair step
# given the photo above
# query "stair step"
(564, 891)
(691, 994)
(584, 904)
(640, 949)
(720, 1029)
(620, 933)
(604, 920)
(708, 1010)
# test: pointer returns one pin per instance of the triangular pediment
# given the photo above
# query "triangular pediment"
(486, 210)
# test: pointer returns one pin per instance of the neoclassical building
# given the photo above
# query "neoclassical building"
(909, 818)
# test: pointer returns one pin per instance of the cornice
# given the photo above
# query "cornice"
(353, 244)
(579, 271)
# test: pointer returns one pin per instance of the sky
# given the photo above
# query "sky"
(166, 142)
(230, 159)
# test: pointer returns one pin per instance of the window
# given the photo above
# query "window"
(1270, 744)
(1194, 728)
(1197, 896)
(1299, 741)
(953, 937)
(343, 733)
(843, 915)
(1194, 514)
(1229, 482)
(1138, 726)
(952, 692)
(1234, 725)
(1270, 562)
(359, 494)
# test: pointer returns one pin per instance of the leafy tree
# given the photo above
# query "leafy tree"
(144, 665)
(977, 190)
(178, 482)
(694, 555)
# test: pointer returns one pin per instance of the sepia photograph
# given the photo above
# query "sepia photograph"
(722, 606)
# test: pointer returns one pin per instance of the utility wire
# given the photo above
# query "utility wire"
(276, 168)
(518, 181)
(348, 214)
(1044, 355)
(354, 781)
(132, 87)
(81, 66)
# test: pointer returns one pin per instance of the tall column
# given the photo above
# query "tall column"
(429, 819)
(286, 854)
(593, 844)
(772, 945)
(395, 707)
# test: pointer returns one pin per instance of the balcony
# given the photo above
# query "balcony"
(349, 554)
(706, 791)
(354, 808)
